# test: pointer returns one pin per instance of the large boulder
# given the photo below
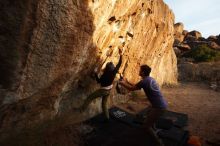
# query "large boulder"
(192, 36)
(195, 34)
(61, 42)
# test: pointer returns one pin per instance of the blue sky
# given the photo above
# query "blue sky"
(201, 15)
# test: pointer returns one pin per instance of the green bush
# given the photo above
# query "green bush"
(203, 53)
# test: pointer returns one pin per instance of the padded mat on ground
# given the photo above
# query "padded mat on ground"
(179, 119)
(123, 116)
(174, 136)
(122, 125)
(171, 124)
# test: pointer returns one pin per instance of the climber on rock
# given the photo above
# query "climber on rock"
(106, 82)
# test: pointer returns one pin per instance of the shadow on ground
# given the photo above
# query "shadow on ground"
(114, 133)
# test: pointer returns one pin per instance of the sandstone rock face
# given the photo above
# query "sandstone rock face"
(69, 38)
(135, 18)
(71, 41)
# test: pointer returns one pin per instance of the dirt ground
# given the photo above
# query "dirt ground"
(202, 105)
(198, 100)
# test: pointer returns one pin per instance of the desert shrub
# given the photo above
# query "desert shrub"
(203, 53)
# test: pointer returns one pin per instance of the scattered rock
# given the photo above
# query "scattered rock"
(177, 51)
(194, 44)
(195, 34)
(190, 38)
(185, 40)
(179, 37)
(214, 45)
(212, 38)
(176, 42)
(183, 47)
(185, 32)
(202, 39)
